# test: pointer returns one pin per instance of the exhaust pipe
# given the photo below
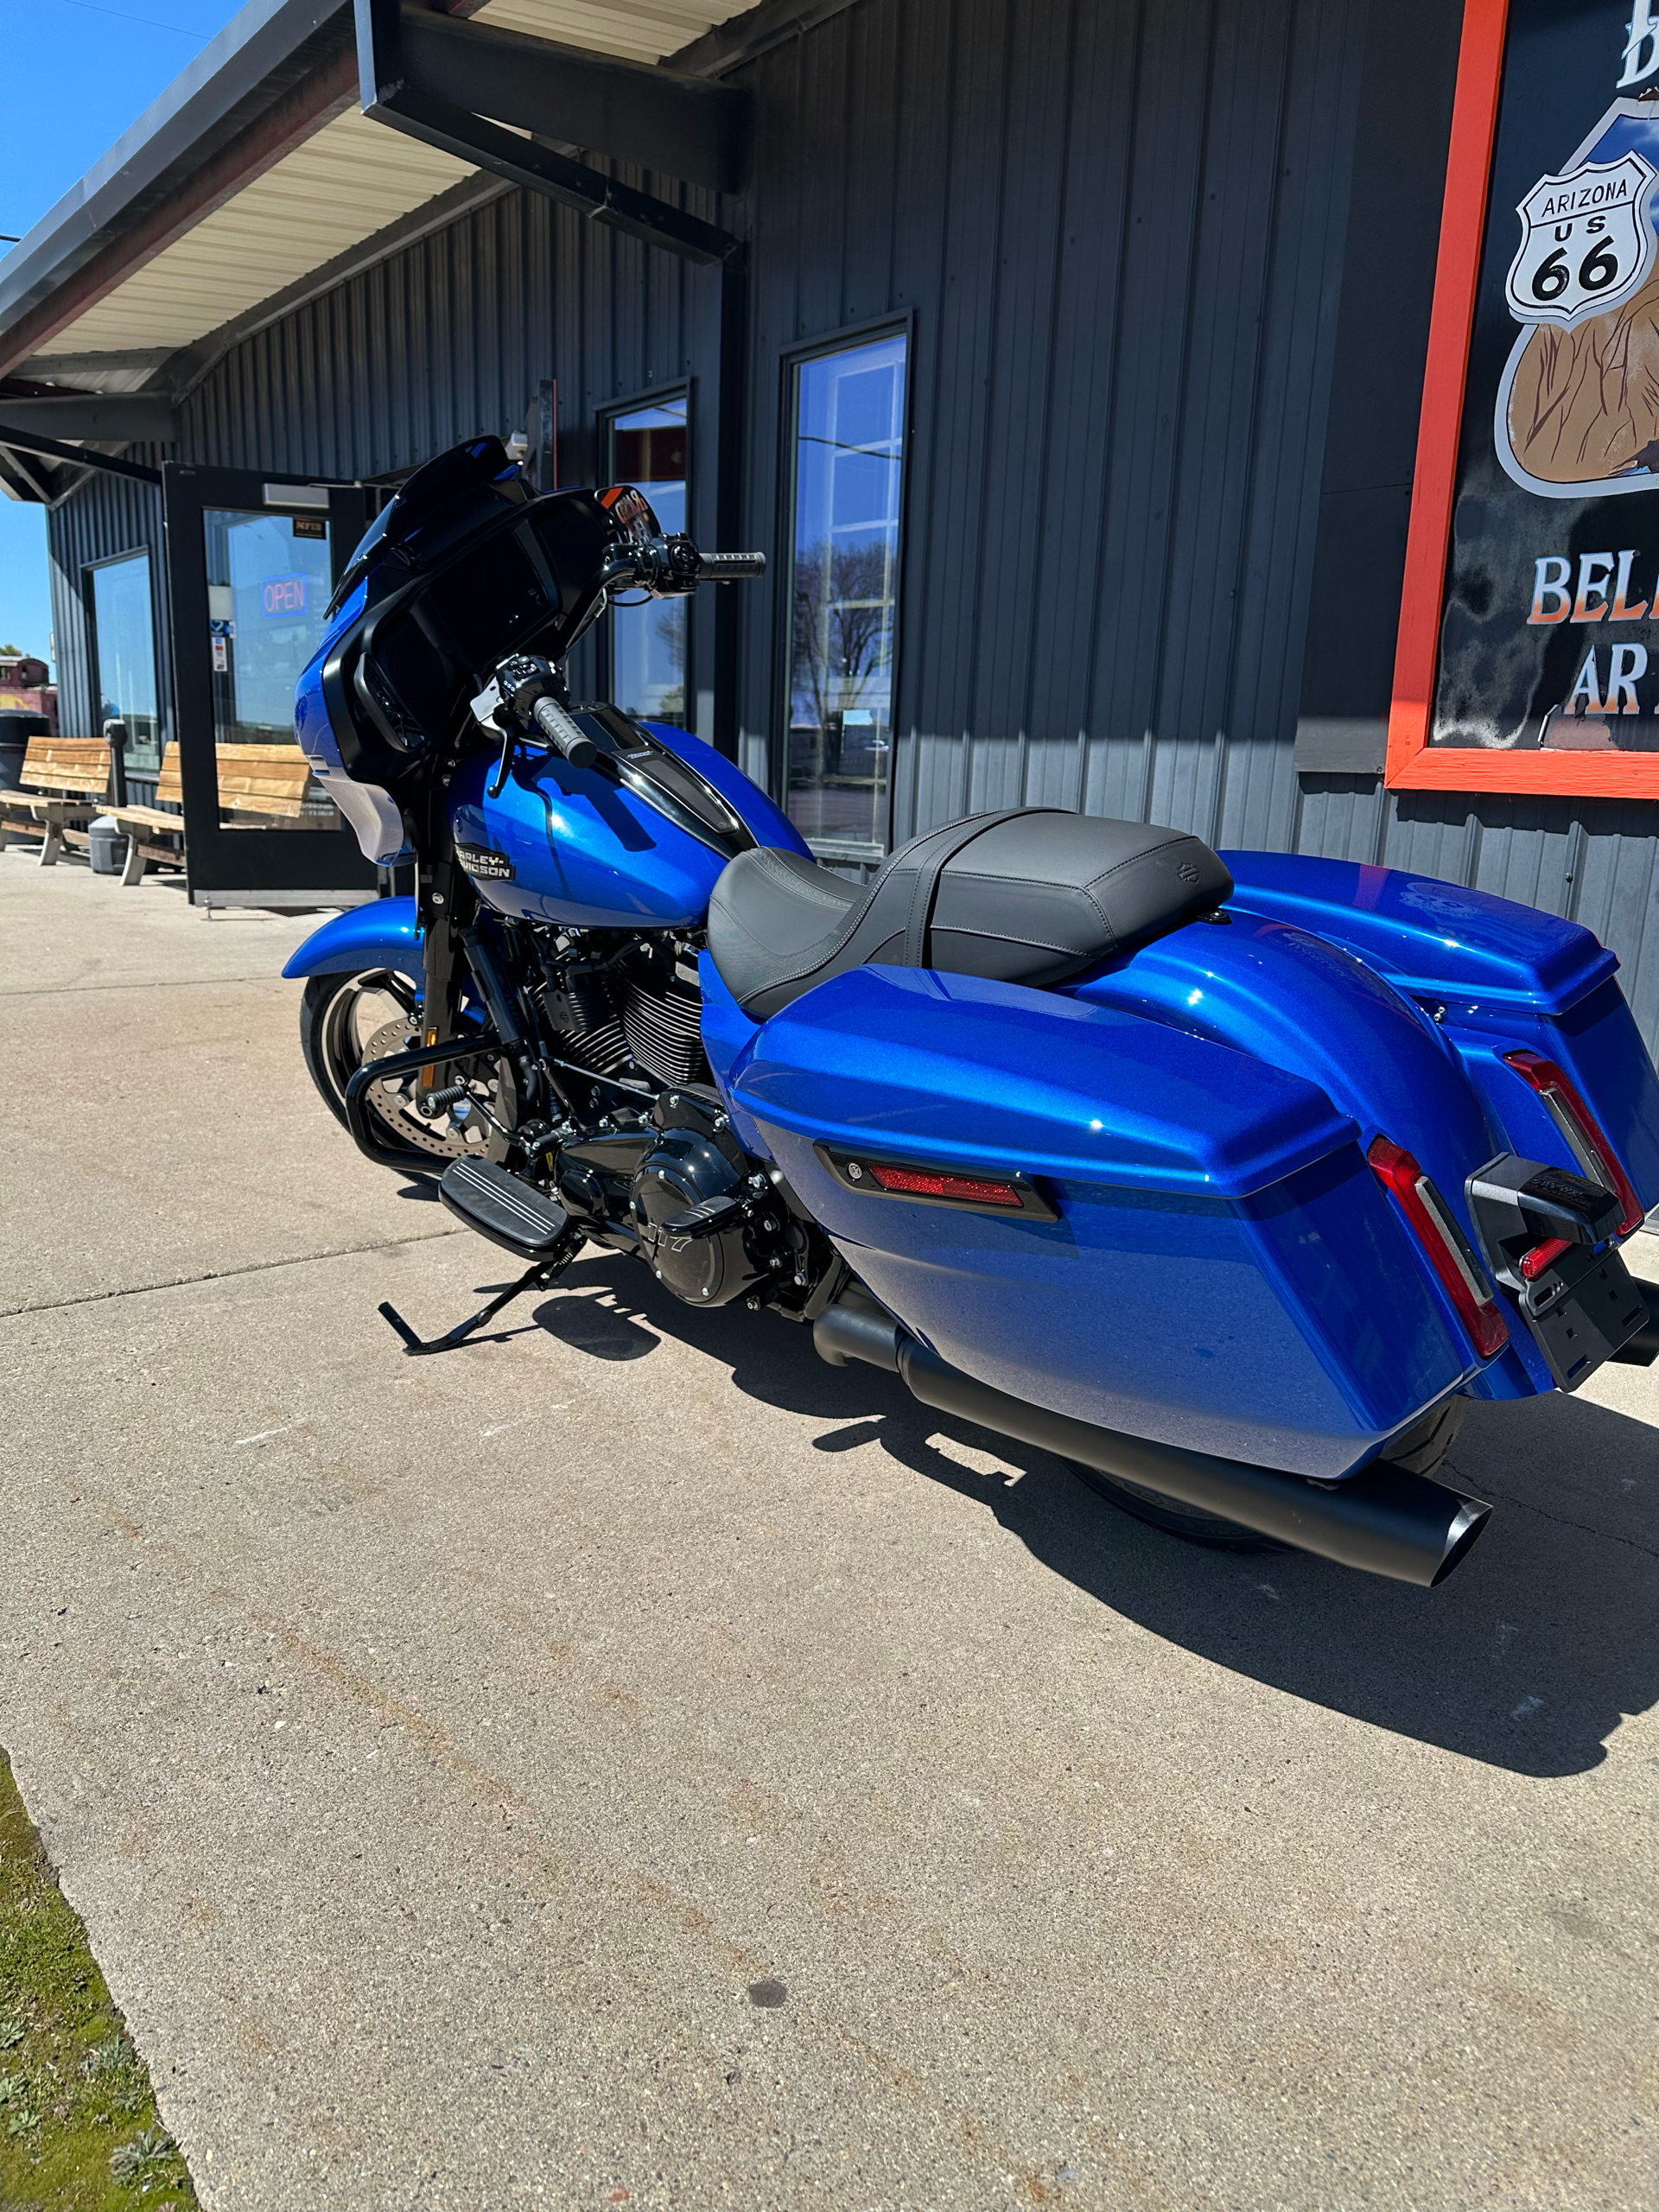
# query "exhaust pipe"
(1384, 1520)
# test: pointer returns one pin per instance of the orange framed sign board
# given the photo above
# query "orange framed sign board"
(1528, 658)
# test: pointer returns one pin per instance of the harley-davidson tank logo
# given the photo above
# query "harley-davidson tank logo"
(482, 861)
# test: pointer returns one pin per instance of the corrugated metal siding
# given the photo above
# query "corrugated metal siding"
(450, 337)
(106, 515)
(1119, 227)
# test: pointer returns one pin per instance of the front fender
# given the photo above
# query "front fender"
(384, 934)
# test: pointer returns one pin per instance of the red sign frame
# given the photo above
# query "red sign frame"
(1413, 763)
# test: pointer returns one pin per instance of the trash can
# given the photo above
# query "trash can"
(17, 726)
(108, 846)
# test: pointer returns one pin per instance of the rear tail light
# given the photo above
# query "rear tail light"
(1581, 1132)
(1450, 1252)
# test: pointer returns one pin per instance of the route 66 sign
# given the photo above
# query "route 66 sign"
(1587, 244)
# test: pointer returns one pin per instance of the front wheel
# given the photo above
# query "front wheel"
(346, 1022)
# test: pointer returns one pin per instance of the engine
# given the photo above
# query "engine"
(637, 1006)
(706, 1217)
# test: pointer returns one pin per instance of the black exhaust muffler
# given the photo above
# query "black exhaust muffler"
(1384, 1520)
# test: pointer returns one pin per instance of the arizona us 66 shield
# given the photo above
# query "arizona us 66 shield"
(1586, 244)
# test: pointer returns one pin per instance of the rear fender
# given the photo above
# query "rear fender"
(384, 934)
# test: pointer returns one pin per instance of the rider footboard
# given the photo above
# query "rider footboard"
(1104, 1214)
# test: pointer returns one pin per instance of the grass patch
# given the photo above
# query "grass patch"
(78, 2129)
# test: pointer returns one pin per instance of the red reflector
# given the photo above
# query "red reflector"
(932, 1183)
(1543, 1256)
(1461, 1275)
(1582, 1131)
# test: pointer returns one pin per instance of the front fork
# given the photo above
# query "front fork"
(441, 974)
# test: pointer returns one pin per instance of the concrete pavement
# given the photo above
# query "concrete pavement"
(439, 1752)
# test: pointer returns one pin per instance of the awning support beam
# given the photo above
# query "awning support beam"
(390, 95)
(691, 127)
(83, 457)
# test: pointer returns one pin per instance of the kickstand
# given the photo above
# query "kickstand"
(539, 1277)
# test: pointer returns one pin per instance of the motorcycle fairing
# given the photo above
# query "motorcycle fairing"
(1226, 1273)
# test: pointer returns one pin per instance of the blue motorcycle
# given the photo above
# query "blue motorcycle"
(1231, 1179)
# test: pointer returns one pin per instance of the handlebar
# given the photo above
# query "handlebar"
(669, 568)
(729, 568)
(563, 733)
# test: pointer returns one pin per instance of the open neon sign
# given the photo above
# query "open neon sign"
(282, 596)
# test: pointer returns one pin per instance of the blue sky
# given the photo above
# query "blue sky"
(78, 75)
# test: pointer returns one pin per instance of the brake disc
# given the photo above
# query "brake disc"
(453, 1129)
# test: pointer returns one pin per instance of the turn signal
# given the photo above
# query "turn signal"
(1450, 1252)
(1583, 1134)
(932, 1183)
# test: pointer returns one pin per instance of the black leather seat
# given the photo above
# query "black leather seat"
(1030, 896)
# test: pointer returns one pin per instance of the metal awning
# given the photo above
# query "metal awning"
(255, 180)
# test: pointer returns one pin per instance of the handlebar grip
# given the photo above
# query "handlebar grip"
(729, 567)
(563, 733)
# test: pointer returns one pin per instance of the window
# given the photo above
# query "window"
(647, 449)
(848, 431)
(269, 580)
(123, 645)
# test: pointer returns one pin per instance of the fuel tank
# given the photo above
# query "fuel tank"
(635, 842)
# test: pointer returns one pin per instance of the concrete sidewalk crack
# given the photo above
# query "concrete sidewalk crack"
(166, 983)
(227, 1274)
(1561, 1519)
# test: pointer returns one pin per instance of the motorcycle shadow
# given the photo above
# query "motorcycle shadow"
(1528, 1659)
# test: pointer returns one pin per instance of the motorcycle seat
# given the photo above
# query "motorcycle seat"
(1031, 895)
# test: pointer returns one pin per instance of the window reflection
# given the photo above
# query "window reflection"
(849, 465)
(269, 579)
(648, 447)
(123, 637)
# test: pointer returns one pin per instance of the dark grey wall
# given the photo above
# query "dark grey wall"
(1119, 228)
(1167, 265)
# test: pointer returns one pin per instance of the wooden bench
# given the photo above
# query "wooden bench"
(141, 825)
(259, 779)
(73, 774)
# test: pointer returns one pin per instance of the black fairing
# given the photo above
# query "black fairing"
(464, 567)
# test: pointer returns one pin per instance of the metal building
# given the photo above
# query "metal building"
(1066, 355)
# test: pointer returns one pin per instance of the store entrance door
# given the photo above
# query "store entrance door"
(251, 561)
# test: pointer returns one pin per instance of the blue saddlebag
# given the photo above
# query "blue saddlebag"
(1223, 1270)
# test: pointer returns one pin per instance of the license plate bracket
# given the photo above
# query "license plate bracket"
(1581, 1312)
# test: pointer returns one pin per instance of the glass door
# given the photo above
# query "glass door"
(251, 564)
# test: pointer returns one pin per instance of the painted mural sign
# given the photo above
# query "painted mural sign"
(1529, 657)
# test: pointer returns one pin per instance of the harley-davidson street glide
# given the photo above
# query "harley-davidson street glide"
(1231, 1179)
